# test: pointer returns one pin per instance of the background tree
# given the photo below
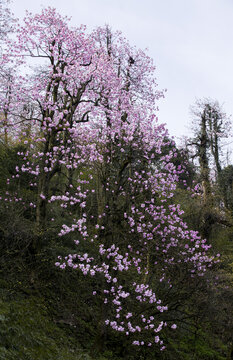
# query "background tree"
(211, 126)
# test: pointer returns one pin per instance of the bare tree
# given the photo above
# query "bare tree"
(210, 126)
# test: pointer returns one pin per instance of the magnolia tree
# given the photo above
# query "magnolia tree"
(89, 107)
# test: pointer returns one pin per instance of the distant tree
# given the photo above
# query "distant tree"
(210, 126)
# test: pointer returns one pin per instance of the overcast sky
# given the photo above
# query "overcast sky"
(189, 40)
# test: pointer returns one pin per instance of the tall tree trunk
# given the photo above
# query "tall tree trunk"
(204, 161)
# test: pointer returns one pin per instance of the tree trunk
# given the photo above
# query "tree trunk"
(204, 162)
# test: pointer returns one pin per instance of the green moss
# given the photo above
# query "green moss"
(199, 347)
(27, 332)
